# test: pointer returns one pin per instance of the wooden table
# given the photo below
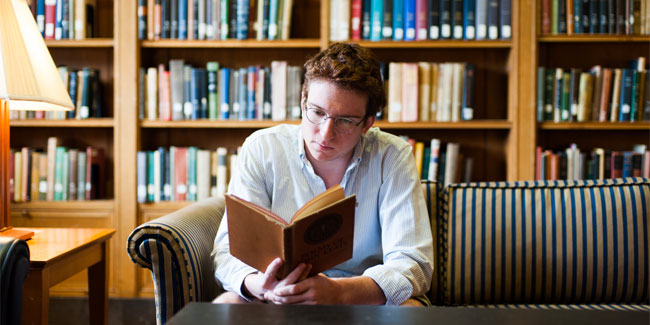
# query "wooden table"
(55, 255)
(256, 314)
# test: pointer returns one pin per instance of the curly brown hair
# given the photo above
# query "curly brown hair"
(351, 67)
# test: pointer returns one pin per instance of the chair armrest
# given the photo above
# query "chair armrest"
(176, 248)
(14, 265)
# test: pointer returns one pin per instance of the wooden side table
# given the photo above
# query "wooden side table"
(55, 255)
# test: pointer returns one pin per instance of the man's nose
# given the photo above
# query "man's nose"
(327, 129)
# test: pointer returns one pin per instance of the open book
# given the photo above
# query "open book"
(320, 233)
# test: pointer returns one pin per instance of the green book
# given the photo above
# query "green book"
(58, 173)
(213, 95)
(66, 177)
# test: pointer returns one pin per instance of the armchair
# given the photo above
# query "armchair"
(14, 265)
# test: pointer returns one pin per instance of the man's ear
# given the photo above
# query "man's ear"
(370, 120)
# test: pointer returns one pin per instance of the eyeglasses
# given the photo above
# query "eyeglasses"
(341, 124)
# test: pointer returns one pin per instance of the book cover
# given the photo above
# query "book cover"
(320, 233)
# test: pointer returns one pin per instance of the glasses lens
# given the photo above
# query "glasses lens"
(345, 125)
(316, 115)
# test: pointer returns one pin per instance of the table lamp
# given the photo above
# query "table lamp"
(29, 80)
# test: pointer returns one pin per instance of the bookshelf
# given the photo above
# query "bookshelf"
(581, 51)
(501, 138)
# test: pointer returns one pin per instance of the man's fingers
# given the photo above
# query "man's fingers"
(294, 275)
(305, 273)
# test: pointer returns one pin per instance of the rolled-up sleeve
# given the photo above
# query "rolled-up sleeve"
(405, 232)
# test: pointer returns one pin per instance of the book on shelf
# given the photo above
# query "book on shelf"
(621, 17)
(55, 174)
(599, 163)
(65, 19)
(214, 19)
(85, 92)
(182, 173)
(320, 233)
(597, 94)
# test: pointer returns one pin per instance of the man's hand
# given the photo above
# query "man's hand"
(257, 284)
(315, 290)
(320, 289)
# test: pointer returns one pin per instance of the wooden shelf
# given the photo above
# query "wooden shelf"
(476, 125)
(250, 43)
(84, 43)
(85, 123)
(595, 126)
(587, 38)
(205, 124)
(436, 44)
(163, 206)
(54, 206)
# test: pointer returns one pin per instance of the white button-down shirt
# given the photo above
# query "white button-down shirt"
(392, 235)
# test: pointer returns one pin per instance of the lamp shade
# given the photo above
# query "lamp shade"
(29, 79)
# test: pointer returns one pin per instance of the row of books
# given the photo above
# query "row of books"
(85, 91)
(572, 163)
(426, 91)
(410, 20)
(440, 162)
(622, 17)
(183, 173)
(185, 92)
(214, 19)
(64, 19)
(598, 94)
(57, 173)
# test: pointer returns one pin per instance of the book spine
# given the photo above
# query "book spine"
(481, 19)
(469, 19)
(468, 93)
(82, 161)
(224, 93)
(387, 20)
(421, 19)
(250, 91)
(434, 19)
(505, 19)
(445, 19)
(355, 19)
(493, 19)
(626, 95)
(243, 8)
(457, 19)
(398, 20)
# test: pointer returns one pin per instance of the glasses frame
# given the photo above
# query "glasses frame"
(336, 119)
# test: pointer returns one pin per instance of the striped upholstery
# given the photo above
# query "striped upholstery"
(472, 226)
(432, 192)
(566, 242)
(176, 248)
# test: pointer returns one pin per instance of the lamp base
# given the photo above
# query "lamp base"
(16, 233)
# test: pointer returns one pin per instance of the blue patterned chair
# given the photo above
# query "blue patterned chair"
(546, 244)
(479, 260)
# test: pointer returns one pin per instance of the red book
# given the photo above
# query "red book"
(617, 164)
(180, 173)
(50, 18)
(546, 17)
(95, 176)
(355, 20)
(421, 20)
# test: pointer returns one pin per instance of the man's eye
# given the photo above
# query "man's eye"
(319, 113)
(345, 121)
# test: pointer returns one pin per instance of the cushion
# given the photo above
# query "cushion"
(565, 242)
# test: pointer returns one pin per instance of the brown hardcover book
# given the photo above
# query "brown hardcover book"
(606, 93)
(320, 233)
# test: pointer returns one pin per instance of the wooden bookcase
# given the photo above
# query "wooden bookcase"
(501, 139)
(571, 51)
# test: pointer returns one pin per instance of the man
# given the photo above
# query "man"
(283, 167)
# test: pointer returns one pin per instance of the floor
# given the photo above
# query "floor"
(120, 311)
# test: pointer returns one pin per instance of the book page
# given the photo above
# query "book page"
(331, 195)
(265, 212)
